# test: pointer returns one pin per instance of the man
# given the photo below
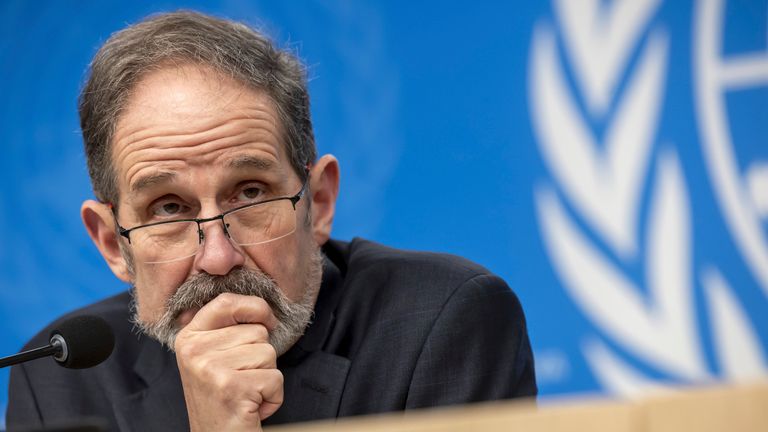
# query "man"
(214, 207)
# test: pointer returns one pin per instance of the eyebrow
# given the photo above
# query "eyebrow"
(250, 161)
(152, 180)
(240, 162)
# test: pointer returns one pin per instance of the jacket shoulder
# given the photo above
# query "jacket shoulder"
(431, 268)
(413, 323)
(41, 391)
(385, 288)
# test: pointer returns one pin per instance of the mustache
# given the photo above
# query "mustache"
(197, 291)
(293, 317)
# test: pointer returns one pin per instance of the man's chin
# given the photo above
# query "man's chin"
(186, 317)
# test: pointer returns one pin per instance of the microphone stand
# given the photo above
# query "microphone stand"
(56, 349)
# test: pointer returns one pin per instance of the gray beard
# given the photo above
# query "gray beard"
(293, 318)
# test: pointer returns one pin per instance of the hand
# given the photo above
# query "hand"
(228, 368)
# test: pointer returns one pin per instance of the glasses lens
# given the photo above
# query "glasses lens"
(261, 223)
(166, 242)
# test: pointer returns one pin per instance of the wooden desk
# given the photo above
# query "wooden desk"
(720, 409)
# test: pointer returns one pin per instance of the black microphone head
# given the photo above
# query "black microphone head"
(89, 341)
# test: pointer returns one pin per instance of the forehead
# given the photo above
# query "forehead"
(187, 116)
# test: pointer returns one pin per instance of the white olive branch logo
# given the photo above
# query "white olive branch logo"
(615, 214)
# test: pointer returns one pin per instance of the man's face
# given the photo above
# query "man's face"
(192, 143)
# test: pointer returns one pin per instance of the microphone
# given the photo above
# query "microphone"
(78, 343)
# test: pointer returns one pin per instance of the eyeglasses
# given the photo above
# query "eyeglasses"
(252, 224)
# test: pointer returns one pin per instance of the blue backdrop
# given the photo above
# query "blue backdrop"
(607, 158)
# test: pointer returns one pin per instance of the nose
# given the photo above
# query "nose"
(217, 254)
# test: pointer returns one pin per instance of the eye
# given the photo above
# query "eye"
(250, 193)
(168, 208)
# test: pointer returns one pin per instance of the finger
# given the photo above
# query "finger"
(266, 409)
(241, 358)
(227, 337)
(252, 394)
(269, 391)
(229, 309)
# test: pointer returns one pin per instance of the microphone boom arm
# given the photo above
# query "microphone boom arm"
(57, 348)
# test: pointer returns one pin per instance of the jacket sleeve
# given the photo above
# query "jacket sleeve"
(22, 410)
(477, 349)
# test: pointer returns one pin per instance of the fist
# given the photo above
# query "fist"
(227, 366)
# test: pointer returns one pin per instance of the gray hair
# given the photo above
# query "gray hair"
(231, 48)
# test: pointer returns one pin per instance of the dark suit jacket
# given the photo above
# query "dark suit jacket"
(393, 330)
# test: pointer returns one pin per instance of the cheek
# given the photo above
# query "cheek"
(154, 284)
(284, 261)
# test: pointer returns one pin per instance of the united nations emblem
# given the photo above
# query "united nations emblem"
(615, 205)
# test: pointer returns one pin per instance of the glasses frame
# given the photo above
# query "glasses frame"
(201, 234)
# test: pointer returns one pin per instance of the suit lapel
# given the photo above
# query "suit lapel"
(160, 405)
(313, 389)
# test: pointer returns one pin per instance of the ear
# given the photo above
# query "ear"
(100, 224)
(324, 188)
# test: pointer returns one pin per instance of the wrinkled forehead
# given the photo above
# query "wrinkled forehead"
(179, 87)
(187, 114)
